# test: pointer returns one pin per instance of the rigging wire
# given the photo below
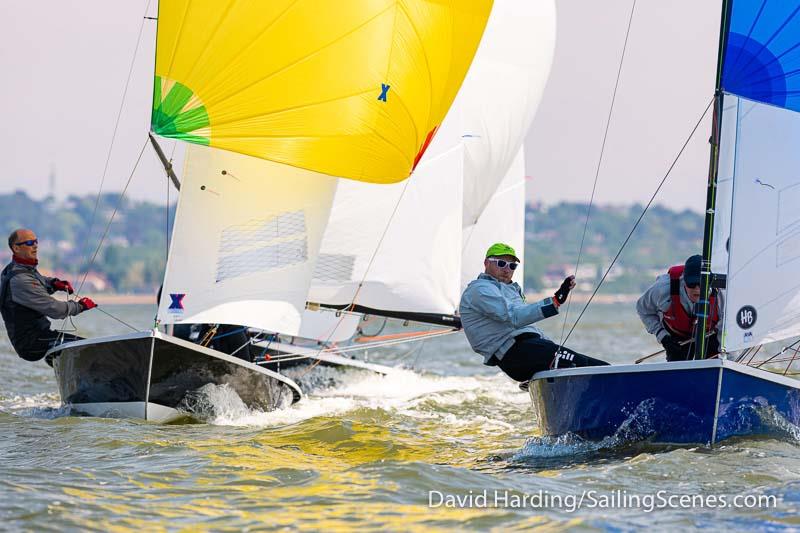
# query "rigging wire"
(111, 218)
(100, 243)
(364, 277)
(114, 134)
(599, 163)
(641, 216)
(116, 318)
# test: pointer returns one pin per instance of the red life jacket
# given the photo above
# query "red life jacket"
(676, 319)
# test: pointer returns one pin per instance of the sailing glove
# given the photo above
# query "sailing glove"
(87, 303)
(563, 291)
(671, 345)
(61, 285)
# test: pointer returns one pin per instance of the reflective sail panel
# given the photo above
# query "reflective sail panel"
(354, 88)
(762, 52)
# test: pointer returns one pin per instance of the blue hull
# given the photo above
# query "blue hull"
(691, 402)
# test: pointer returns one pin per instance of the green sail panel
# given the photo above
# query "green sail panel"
(178, 113)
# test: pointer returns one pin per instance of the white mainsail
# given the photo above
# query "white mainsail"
(763, 296)
(501, 94)
(245, 241)
(503, 220)
(724, 196)
(396, 247)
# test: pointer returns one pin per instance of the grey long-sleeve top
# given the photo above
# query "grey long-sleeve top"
(493, 313)
(656, 300)
(31, 289)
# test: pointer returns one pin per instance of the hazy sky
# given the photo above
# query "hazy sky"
(65, 63)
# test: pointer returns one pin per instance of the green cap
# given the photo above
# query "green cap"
(499, 248)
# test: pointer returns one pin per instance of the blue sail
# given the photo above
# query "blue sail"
(762, 52)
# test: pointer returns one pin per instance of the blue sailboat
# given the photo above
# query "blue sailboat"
(752, 241)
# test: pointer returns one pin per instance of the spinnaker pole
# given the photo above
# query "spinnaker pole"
(702, 305)
(164, 161)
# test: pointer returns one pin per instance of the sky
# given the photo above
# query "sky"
(65, 64)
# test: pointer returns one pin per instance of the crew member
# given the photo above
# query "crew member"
(667, 310)
(26, 301)
(498, 322)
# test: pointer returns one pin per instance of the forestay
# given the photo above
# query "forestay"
(245, 242)
(762, 91)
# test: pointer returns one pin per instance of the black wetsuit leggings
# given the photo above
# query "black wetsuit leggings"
(686, 352)
(530, 354)
(44, 340)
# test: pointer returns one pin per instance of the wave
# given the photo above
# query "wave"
(456, 401)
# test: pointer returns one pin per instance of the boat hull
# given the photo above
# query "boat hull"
(691, 402)
(160, 378)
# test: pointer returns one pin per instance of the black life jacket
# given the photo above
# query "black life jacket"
(23, 324)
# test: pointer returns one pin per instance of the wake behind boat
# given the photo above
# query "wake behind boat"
(158, 377)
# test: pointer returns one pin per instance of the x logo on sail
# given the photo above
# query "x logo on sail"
(384, 91)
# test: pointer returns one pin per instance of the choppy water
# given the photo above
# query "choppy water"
(375, 453)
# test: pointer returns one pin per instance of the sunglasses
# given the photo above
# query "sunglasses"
(27, 243)
(692, 285)
(502, 263)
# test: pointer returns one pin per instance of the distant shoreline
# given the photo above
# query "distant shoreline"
(577, 297)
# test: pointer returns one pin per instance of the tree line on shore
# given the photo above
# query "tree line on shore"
(133, 254)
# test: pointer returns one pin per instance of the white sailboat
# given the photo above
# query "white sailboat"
(275, 100)
(752, 237)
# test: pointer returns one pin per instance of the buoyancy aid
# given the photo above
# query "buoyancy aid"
(23, 324)
(676, 319)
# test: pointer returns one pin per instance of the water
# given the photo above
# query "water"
(375, 453)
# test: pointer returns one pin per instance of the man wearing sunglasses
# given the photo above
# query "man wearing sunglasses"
(26, 301)
(499, 324)
(667, 310)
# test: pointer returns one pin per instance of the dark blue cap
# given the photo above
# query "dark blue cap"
(691, 270)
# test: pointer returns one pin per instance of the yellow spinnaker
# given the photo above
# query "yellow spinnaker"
(350, 88)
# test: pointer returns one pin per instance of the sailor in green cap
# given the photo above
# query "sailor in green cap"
(499, 323)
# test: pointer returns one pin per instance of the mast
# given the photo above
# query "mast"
(701, 307)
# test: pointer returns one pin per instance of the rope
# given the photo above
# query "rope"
(111, 219)
(105, 234)
(116, 318)
(364, 277)
(641, 216)
(599, 163)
